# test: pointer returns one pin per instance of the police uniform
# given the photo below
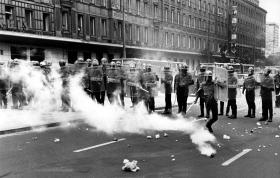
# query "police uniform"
(199, 81)
(132, 85)
(3, 88)
(277, 89)
(122, 80)
(104, 63)
(267, 86)
(96, 82)
(149, 83)
(65, 94)
(250, 85)
(208, 88)
(232, 92)
(167, 81)
(181, 86)
(113, 83)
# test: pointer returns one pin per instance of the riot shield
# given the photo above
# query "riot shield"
(150, 83)
(96, 79)
(221, 75)
(113, 79)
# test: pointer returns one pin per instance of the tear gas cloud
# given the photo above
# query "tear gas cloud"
(46, 97)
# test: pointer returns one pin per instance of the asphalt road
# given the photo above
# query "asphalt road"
(41, 154)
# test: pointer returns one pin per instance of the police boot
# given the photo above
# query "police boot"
(249, 114)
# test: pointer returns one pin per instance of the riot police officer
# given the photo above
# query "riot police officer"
(122, 80)
(250, 85)
(208, 89)
(132, 83)
(114, 83)
(65, 94)
(167, 81)
(232, 92)
(277, 88)
(104, 64)
(267, 86)
(3, 87)
(89, 61)
(149, 84)
(96, 80)
(201, 78)
(181, 85)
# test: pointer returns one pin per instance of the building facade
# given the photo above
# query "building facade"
(251, 20)
(272, 38)
(191, 31)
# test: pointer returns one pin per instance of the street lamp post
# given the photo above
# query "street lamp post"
(123, 29)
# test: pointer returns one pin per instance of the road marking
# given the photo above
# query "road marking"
(239, 155)
(99, 145)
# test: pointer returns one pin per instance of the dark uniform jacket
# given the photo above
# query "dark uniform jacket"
(167, 80)
(267, 86)
(250, 83)
(232, 85)
(183, 80)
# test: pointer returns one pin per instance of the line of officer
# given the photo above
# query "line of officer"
(277, 88)
(3, 87)
(181, 86)
(65, 77)
(249, 85)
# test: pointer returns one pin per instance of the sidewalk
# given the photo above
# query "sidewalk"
(12, 121)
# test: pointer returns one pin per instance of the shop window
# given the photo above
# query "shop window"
(37, 54)
(18, 52)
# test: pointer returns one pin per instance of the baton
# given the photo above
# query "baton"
(9, 91)
(190, 107)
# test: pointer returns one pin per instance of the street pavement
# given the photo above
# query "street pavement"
(50, 152)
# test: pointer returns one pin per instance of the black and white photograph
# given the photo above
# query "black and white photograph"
(139, 89)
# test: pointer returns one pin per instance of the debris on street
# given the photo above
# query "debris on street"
(157, 136)
(56, 140)
(130, 166)
(226, 137)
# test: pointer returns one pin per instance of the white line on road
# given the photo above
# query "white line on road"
(239, 155)
(99, 145)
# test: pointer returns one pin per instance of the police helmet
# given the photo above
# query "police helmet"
(118, 63)
(113, 64)
(104, 60)
(95, 62)
(80, 59)
(202, 68)
(43, 64)
(88, 60)
(230, 69)
(166, 68)
(62, 63)
(208, 73)
(251, 69)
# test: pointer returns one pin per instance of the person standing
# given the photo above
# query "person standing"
(250, 85)
(181, 86)
(200, 79)
(208, 90)
(104, 64)
(96, 81)
(132, 84)
(3, 87)
(122, 78)
(167, 81)
(65, 94)
(148, 82)
(267, 86)
(232, 92)
(277, 88)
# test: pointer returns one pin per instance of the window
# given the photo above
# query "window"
(65, 20)
(37, 54)
(138, 7)
(146, 34)
(166, 38)
(178, 41)
(104, 3)
(18, 52)
(156, 33)
(120, 29)
(194, 20)
(46, 22)
(146, 12)
(172, 16)
(138, 33)
(172, 39)
(213, 9)
(28, 18)
(128, 5)
(178, 18)
(130, 32)
(80, 23)
(190, 21)
(166, 14)
(199, 5)
(204, 6)
(155, 11)
(184, 20)
(209, 8)
(190, 3)
(194, 43)
(199, 44)
(92, 26)
(8, 15)
(104, 27)
(204, 44)
(190, 41)
(199, 24)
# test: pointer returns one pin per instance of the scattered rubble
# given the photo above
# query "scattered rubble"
(259, 124)
(149, 137)
(277, 136)
(130, 166)
(157, 136)
(165, 135)
(226, 137)
(56, 140)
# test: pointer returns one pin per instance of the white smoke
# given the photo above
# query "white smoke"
(110, 119)
(114, 119)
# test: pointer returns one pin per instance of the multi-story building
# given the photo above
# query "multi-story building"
(251, 20)
(272, 38)
(192, 31)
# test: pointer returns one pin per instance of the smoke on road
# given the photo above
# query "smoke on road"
(45, 96)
